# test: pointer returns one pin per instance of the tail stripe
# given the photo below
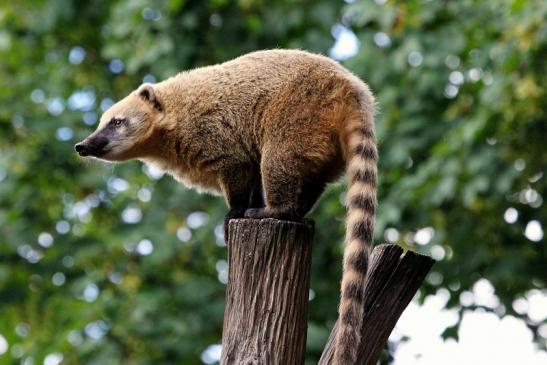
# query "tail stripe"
(363, 231)
(349, 317)
(354, 291)
(363, 130)
(359, 262)
(363, 202)
(365, 176)
(367, 152)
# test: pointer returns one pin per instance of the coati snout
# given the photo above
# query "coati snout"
(93, 146)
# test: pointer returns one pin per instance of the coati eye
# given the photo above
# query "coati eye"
(117, 122)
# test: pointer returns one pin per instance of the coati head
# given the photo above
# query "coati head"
(126, 128)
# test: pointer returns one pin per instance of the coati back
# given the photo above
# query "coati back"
(268, 131)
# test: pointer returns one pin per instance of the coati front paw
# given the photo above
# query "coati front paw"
(286, 215)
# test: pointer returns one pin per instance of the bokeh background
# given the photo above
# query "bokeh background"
(118, 264)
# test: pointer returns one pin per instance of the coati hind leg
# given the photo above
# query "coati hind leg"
(291, 186)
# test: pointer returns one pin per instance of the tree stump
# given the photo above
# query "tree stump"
(265, 319)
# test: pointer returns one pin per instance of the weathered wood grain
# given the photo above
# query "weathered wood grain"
(265, 319)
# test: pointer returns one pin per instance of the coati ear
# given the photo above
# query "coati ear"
(147, 93)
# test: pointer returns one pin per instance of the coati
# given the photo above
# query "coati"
(267, 131)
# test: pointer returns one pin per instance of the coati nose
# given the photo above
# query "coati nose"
(80, 148)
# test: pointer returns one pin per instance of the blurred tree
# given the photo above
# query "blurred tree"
(105, 264)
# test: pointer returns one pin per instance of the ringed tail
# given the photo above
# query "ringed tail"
(361, 170)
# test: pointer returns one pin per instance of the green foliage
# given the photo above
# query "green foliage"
(75, 274)
(461, 129)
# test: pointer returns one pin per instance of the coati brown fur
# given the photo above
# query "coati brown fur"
(268, 131)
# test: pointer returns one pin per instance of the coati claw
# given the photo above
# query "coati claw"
(255, 213)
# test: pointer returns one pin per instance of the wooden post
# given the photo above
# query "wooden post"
(265, 319)
(392, 280)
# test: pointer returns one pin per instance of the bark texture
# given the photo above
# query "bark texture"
(265, 319)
